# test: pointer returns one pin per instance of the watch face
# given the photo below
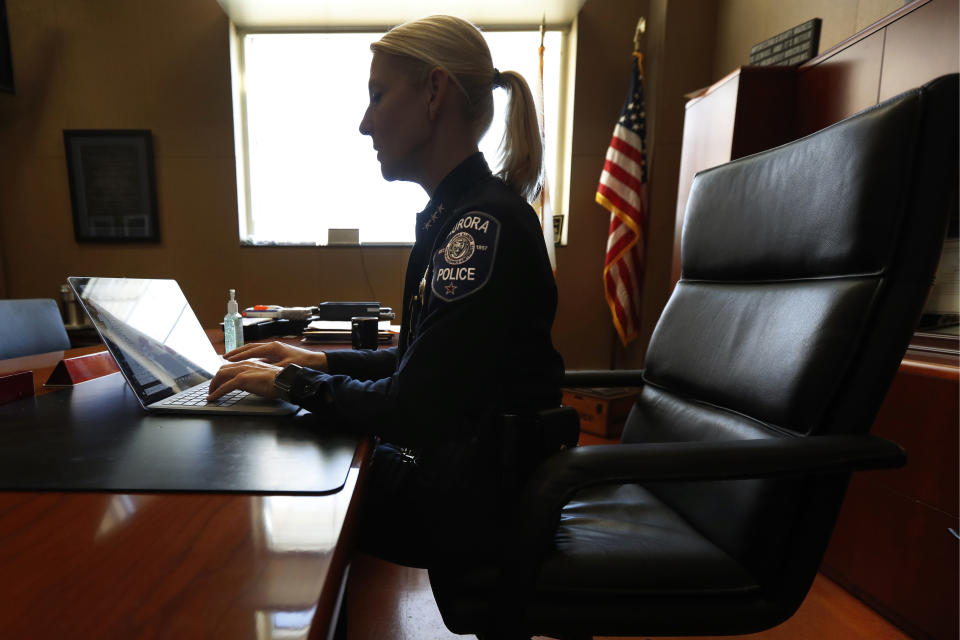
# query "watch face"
(285, 379)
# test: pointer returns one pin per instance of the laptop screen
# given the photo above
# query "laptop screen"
(152, 332)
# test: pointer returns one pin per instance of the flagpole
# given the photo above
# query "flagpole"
(544, 205)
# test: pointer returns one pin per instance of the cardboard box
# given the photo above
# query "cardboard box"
(603, 411)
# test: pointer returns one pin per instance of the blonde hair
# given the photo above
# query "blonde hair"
(458, 47)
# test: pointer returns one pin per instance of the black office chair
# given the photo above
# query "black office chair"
(805, 269)
(31, 326)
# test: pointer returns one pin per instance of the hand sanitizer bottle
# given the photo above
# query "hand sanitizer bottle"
(232, 324)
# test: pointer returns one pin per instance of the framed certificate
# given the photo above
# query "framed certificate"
(113, 189)
(6, 59)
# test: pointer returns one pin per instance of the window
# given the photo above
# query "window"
(305, 166)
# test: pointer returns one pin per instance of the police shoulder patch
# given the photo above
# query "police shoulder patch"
(463, 261)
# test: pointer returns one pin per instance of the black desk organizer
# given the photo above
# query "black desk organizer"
(96, 437)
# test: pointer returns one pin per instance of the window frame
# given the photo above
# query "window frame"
(562, 133)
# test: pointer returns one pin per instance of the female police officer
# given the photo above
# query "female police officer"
(478, 303)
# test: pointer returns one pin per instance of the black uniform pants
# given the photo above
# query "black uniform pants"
(417, 516)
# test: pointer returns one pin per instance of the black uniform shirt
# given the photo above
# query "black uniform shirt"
(478, 304)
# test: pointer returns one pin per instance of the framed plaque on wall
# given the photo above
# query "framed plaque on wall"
(6, 58)
(113, 189)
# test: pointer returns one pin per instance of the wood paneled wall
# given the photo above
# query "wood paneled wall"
(165, 67)
(743, 23)
(583, 331)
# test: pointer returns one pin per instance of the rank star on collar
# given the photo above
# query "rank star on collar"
(433, 217)
(451, 289)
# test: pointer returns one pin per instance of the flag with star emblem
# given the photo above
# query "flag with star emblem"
(622, 191)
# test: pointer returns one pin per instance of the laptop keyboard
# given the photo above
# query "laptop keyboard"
(197, 397)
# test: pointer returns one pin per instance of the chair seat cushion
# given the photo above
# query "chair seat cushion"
(620, 540)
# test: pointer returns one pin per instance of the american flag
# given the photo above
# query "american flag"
(623, 192)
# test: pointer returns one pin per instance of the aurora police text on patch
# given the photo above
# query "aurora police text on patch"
(465, 261)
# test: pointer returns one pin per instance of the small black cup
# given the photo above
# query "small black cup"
(363, 332)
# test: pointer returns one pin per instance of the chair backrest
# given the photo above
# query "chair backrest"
(805, 269)
(31, 326)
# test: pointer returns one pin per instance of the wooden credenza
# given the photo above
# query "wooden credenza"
(894, 545)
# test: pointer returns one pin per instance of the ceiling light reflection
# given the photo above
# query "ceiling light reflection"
(120, 509)
(299, 523)
(284, 624)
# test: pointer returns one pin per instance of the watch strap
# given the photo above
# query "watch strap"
(285, 380)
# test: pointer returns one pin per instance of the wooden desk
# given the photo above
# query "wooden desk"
(42, 364)
(172, 565)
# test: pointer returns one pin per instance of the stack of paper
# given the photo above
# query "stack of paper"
(339, 331)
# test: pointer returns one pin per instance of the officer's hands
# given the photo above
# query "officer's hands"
(279, 354)
(254, 376)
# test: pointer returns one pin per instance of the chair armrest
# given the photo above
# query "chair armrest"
(719, 460)
(603, 378)
(561, 476)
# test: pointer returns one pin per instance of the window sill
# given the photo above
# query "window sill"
(313, 245)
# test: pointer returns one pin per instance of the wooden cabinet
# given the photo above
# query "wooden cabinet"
(749, 110)
(894, 546)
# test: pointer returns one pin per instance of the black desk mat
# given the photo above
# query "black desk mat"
(96, 437)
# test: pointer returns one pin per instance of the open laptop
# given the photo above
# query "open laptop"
(160, 347)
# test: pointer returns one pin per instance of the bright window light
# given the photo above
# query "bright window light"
(308, 167)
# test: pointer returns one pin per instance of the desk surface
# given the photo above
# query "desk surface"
(96, 565)
(171, 565)
(96, 437)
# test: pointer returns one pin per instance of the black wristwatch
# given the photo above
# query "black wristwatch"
(285, 380)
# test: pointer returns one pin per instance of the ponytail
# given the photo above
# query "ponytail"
(521, 150)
